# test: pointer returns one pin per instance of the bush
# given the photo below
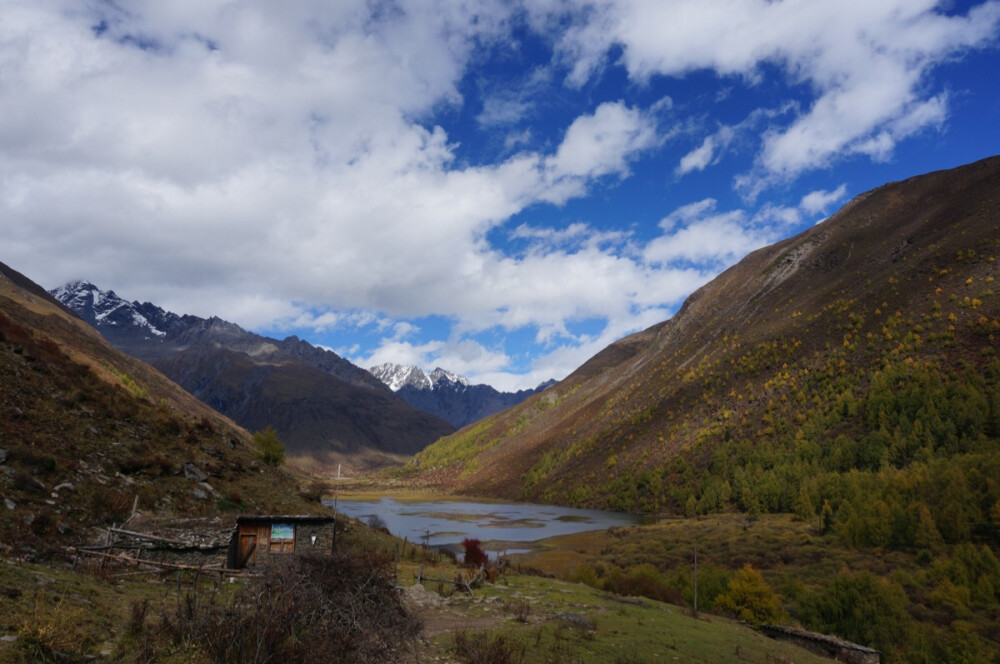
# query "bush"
(315, 490)
(474, 554)
(326, 608)
(642, 580)
(375, 522)
(479, 648)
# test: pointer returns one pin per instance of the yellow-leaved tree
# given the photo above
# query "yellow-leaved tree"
(750, 598)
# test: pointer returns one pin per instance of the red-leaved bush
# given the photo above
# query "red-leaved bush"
(474, 554)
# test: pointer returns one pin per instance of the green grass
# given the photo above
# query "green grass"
(622, 630)
(80, 611)
(942, 598)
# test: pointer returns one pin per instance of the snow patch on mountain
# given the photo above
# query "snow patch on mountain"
(104, 307)
(396, 376)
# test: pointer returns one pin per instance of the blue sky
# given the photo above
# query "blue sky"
(499, 188)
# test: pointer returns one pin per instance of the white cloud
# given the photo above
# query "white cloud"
(820, 201)
(603, 143)
(697, 159)
(866, 63)
(280, 166)
(701, 235)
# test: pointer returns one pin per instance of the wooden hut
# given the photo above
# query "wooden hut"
(257, 538)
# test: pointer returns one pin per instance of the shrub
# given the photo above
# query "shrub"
(474, 554)
(479, 648)
(315, 490)
(326, 608)
(642, 580)
(375, 522)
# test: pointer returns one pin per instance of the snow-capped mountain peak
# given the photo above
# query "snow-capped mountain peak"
(106, 309)
(445, 394)
(439, 375)
(396, 376)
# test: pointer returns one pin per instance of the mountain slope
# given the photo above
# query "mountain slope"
(86, 433)
(831, 366)
(447, 395)
(324, 408)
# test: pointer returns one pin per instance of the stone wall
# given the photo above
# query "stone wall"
(822, 644)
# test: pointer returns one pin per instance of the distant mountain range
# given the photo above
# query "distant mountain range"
(449, 396)
(322, 406)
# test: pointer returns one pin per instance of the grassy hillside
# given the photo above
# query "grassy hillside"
(87, 434)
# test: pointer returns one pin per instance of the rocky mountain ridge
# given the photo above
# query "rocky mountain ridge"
(324, 408)
(448, 395)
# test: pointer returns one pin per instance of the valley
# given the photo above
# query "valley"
(819, 426)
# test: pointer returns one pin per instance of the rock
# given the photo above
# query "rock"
(9, 638)
(208, 487)
(211, 451)
(419, 596)
(65, 486)
(194, 473)
(200, 495)
(9, 504)
(576, 620)
(3, 455)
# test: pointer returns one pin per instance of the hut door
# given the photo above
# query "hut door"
(248, 549)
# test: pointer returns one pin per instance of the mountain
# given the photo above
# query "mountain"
(851, 369)
(324, 408)
(148, 331)
(87, 433)
(447, 395)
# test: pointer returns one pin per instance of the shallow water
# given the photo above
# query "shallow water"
(501, 527)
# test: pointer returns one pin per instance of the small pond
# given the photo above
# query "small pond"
(501, 527)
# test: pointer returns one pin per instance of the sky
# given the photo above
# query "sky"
(496, 187)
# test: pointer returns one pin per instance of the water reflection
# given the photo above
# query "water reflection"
(510, 527)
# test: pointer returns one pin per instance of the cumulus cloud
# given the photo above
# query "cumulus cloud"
(866, 64)
(820, 201)
(699, 158)
(602, 143)
(287, 166)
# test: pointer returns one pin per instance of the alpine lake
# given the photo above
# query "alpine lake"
(501, 527)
